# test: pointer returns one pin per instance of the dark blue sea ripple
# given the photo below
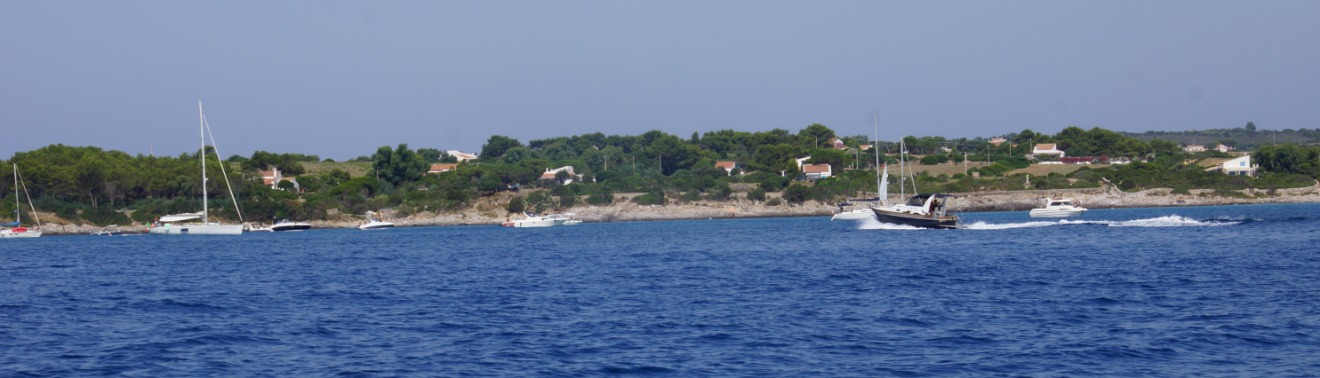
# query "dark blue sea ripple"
(1140, 292)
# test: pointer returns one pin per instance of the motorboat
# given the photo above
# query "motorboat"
(375, 224)
(532, 220)
(922, 211)
(1057, 208)
(288, 225)
(854, 214)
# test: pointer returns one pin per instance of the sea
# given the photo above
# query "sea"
(1178, 291)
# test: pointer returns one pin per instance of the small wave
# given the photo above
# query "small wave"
(981, 225)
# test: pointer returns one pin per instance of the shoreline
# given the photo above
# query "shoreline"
(490, 211)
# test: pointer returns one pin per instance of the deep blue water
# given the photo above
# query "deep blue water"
(1229, 290)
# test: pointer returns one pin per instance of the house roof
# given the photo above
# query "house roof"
(816, 168)
(726, 164)
(1046, 147)
(443, 167)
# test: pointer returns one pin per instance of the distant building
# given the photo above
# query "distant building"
(838, 144)
(461, 156)
(441, 168)
(1194, 148)
(728, 166)
(1239, 166)
(997, 141)
(816, 171)
(1047, 149)
(273, 177)
(550, 174)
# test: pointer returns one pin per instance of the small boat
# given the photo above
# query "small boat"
(288, 225)
(854, 214)
(181, 224)
(922, 210)
(532, 220)
(375, 224)
(15, 229)
(1057, 208)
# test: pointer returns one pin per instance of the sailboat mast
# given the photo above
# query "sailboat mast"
(875, 147)
(201, 125)
(18, 209)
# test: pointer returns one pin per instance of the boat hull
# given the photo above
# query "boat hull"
(861, 214)
(916, 220)
(197, 229)
(375, 226)
(1044, 213)
(291, 227)
(11, 234)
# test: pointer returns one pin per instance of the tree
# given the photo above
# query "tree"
(1251, 126)
(516, 205)
(496, 146)
(816, 134)
(400, 165)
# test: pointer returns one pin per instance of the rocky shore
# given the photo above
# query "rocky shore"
(490, 211)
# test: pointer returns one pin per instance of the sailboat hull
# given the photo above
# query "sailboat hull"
(11, 234)
(197, 229)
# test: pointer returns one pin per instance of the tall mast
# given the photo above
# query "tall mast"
(201, 125)
(18, 210)
(875, 147)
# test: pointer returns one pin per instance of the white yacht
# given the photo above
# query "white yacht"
(183, 224)
(542, 221)
(375, 224)
(1057, 208)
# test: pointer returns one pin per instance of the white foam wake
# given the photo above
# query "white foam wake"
(1164, 221)
(873, 224)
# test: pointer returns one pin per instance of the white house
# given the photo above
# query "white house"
(1239, 166)
(273, 178)
(816, 171)
(1194, 148)
(461, 156)
(1046, 149)
(551, 173)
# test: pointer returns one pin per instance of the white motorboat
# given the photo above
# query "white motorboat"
(1057, 208)
(15, 229)
(182, 224)
(542, 221)
(288, 225)
(375, 224)
(854, 214)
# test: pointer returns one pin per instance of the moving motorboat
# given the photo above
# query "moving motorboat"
(860, 213)
(532, 220)
(1057, 208)
(375, 224)
(922, 210)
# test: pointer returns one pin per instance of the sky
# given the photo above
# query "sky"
(339, 79)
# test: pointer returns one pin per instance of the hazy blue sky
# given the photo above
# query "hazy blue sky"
(339, 79)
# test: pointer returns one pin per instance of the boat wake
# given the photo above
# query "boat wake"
(873, 224)
(1165, 221)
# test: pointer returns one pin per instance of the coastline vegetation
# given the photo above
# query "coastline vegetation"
(94, 186)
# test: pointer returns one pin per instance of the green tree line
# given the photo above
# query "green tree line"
(91, 185)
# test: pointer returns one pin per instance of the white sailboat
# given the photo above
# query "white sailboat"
(15, 229)
(185, 224)
(864, 213)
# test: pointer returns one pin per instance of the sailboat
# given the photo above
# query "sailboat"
(15, 229)
(921, 210)
(185, 224)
